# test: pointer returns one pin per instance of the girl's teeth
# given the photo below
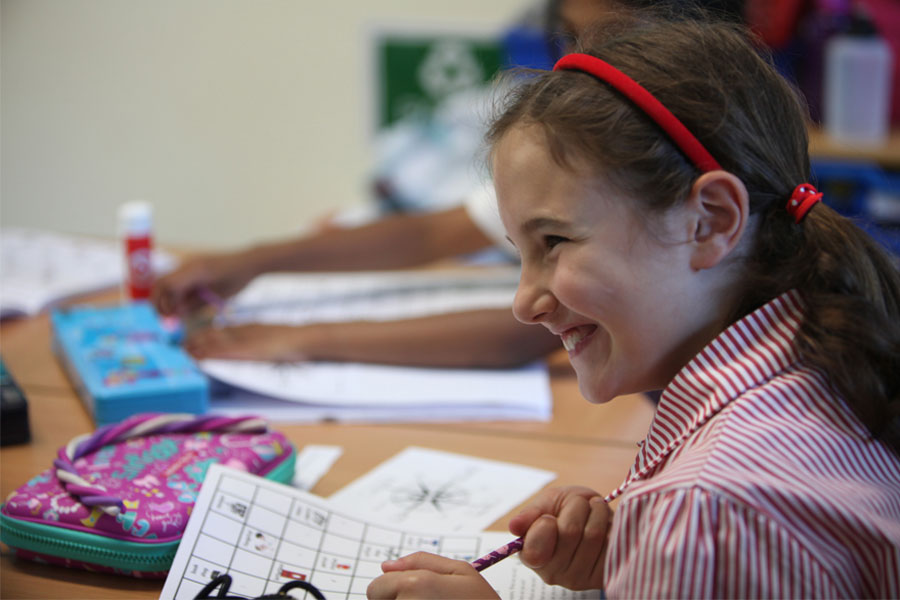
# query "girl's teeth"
(571, 339)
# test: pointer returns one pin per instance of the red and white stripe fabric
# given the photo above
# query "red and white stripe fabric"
(755, 480)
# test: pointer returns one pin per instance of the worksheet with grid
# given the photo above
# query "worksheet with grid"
(264, 534)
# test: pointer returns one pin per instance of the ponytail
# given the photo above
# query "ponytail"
(851, 289)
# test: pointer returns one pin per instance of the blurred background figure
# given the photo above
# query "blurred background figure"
(434, 202)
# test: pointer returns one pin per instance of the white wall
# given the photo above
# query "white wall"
(238, 119)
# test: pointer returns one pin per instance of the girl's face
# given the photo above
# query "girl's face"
(623, 299)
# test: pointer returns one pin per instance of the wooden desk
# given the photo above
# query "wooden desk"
(583, 443)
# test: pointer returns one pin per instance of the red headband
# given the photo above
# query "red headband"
(645, 101)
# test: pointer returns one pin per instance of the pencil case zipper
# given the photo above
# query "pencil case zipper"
(283, 472)
(87, 547)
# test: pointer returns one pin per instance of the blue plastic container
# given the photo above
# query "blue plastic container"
(123, 362)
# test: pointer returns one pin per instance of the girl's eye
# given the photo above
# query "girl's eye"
(550, 241)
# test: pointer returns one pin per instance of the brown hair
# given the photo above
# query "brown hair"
(724, 89)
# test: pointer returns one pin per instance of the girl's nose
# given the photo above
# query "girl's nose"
(533, 302)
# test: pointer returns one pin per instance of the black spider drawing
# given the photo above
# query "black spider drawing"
(441, 498)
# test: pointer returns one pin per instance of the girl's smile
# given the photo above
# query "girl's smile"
(575, 338)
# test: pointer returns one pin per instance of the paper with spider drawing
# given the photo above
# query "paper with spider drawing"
(421, 488)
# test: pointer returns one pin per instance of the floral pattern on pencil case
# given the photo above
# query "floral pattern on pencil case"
(156, 477)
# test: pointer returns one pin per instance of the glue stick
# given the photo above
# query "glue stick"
(136, 230)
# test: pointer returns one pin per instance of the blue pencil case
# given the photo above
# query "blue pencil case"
(122, 362)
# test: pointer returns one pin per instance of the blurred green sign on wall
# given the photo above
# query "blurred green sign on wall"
(416, 71)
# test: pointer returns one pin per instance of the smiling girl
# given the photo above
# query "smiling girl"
(657, 189)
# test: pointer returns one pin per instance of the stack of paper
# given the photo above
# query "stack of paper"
(365, 392)
(378, 393)
(371, 295)
(39, 269)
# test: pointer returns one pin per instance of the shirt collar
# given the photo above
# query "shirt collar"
(743, 356)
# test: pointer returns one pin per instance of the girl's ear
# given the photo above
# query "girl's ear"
(720, 208)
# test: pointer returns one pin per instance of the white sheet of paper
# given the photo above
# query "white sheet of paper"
(264, 534)
(298, 298)
(240, 402)
(366, 385)
(426, 489)
(369, 392)
(313, 461)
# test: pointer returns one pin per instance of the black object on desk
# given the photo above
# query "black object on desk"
(14, 427)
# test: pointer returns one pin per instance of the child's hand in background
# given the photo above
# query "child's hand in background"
(565, 533)
(424, 575)
(189, 287)
(253, 342)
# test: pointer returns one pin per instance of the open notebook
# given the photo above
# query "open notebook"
(39, 269)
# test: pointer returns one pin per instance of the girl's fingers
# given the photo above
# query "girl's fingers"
(588, 558)
(520, 523)
(549, 502)
(569, 549)
(540, 542)
(431, 562)
(573, 516)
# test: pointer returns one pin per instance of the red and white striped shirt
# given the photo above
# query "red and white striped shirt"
(756, 481)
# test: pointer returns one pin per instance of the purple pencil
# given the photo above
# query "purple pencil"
(210, 297)
(497, 555)
(213, 299)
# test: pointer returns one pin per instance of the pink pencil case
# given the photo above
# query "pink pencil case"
(118, 500)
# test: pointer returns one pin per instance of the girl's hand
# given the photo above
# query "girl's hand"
(425, 575)
(565, 533)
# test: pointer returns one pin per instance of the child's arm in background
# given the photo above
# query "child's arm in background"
(488, 338)
(565, 531)
(395, 242)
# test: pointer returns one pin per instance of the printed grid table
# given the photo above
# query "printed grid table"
(264, 538)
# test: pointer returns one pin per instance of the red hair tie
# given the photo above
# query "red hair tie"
(645, 101)
(803, 198)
